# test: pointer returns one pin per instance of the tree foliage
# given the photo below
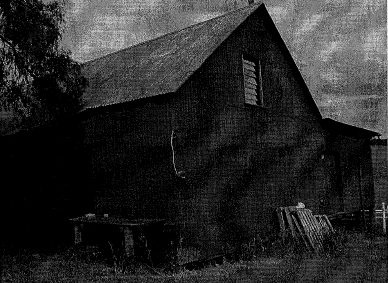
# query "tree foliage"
(39, 82)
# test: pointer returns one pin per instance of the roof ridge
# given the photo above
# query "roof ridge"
(153, 67)
(173, 32)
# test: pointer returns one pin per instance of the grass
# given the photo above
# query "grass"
(359, 259)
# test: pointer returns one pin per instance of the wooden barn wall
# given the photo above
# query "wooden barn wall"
(131, 160)
(240, 161)
(380, 173)
(265, 157)
(356, 169)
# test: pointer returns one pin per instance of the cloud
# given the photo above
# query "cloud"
(106, 33)
(290, 5)
(335, 3)
(278, 13)
(374, 45)
(109, 32)
(332, 76)
(359, 10)
(329, 49)
(371, 5)
(77, 6)
(307, 26)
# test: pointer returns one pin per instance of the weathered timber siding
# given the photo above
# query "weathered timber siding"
(355, 164)
(380, 171)
(240, 161)
(266, 157)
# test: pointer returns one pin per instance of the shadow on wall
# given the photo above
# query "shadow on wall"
(42, 186)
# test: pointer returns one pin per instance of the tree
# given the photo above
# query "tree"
(39, 82)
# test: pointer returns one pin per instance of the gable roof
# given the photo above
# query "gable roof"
(347, 130)
(160, 65)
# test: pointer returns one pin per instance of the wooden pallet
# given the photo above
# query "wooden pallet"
(305, 228)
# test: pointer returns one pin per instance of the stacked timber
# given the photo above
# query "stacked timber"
(305, 228)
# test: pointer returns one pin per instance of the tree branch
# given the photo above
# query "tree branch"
(16, 53)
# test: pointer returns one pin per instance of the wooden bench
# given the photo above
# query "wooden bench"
(127, 227)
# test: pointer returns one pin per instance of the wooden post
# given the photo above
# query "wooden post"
(384, 218)
(128, 242)
(361, 196)
(77, 234)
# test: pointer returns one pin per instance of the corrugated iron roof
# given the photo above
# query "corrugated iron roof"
(157, 66)
(379, 141)
(346, 129)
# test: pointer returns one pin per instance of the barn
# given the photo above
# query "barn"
(212, 127)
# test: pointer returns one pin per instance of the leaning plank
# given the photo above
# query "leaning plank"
(289, 221)
(318, 218)
(316, 227)
(279, 212)
(312, 225)
(317, 224)
(325, 227)
(326, 219)
(308, 229)
(303, 236)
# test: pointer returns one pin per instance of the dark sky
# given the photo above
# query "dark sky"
(340, 46)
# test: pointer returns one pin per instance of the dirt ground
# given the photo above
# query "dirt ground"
(359, 260)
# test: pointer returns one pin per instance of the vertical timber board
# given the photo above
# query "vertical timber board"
(326, 219)
(128, 242)
(279, 212)
(77, 234)
(302, 234)
(308, 229)
(316, 227)
(289, 220)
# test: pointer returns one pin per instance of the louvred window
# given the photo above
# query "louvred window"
(252, 82)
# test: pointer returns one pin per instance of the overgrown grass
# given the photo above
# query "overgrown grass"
(356, 258)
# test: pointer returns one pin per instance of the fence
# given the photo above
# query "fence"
(383, 215)
(361, 219)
